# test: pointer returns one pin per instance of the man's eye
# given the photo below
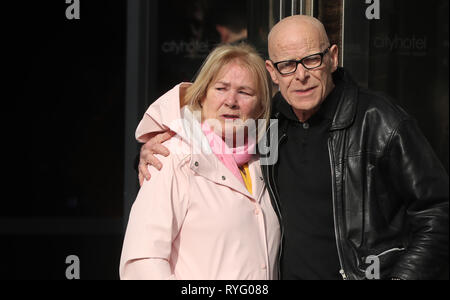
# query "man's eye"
(289, 65)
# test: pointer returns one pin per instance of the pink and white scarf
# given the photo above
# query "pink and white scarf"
(232, 158)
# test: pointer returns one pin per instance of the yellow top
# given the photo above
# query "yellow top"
(245, 172)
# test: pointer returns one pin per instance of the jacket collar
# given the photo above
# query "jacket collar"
(170, 110)
(209, 167)
(346, 109)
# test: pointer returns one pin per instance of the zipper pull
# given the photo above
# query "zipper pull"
(342, 272)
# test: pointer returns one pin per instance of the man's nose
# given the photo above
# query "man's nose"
(301, 74)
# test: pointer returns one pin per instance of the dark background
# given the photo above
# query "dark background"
(65, 83)
(65, 100)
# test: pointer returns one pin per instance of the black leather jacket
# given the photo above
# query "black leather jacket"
(390, 192)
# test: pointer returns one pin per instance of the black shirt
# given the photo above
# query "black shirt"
(304, 182)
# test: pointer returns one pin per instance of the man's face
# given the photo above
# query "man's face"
(304, 90)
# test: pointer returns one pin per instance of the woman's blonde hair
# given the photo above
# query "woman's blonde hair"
(246, 56)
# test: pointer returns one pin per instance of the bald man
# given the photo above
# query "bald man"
(358, 190)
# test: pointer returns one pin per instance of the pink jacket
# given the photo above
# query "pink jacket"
(194, 220)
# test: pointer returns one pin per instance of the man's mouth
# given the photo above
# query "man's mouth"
(304, 92)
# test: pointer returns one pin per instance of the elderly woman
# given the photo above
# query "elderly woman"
(207, 214)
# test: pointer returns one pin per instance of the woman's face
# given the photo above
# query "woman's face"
(231, 97)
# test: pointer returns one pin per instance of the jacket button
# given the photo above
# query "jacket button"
(196, 164)
(306, 126)
(224, 178)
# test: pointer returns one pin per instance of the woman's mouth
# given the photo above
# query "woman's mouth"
(230, 117)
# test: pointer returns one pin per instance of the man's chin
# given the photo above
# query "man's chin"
(305, 105)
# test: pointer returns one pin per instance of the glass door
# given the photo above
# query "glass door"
(401, 49)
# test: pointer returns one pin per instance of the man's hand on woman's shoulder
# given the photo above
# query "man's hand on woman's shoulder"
(149, 150)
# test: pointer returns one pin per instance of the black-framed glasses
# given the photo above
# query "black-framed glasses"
(310, 62)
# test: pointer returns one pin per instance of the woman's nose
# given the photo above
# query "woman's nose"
(231, 100)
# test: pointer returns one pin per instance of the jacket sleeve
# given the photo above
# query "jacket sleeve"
(418, 177)
(155, 220)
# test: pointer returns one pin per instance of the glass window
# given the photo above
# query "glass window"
(67, 132)
(188, 30)
(63, 127)
(405, 55)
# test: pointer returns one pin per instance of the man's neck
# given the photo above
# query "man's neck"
(303, 115)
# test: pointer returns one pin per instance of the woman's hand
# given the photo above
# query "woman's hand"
(148, 151)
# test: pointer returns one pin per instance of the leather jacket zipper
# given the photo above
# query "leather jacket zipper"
(336, 230)
(391, 250)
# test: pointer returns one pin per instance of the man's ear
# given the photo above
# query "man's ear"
(334, 54)
(272, 71)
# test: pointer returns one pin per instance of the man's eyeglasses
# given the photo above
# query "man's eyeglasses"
(310, 62)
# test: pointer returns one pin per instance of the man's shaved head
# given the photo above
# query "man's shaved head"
(306, 27)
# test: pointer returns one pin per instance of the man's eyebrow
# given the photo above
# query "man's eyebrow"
(288, 59)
